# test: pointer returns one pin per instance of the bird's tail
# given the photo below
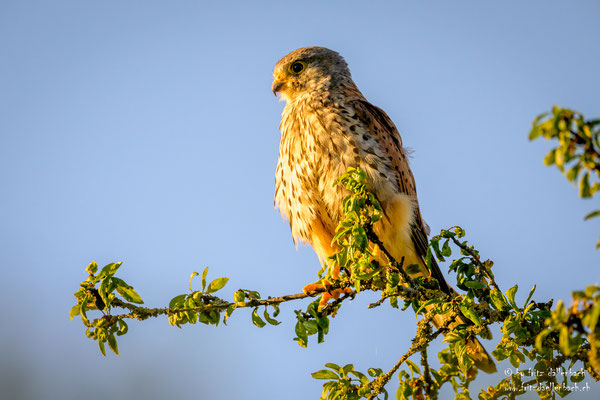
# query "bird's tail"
(475, 349)
(398, 250)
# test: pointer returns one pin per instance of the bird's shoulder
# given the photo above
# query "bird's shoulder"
(379, 126)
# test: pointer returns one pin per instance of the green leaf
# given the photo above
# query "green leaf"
(198, 297)
(446, 250)
(413, 367)
(362, 377)
(500, 353)
(592, 318)
(468, 312)
(573, 172)
(368, 275)
(460, 232)
(82, 313)
(269, 319)
(311, 327)
(202, 317)
(338, 238)
(129, 294)
(475, 285)
(550, 158)
(413, 269)
(510, 295)
(101, 347)
(228, 313)
(103, 292)
(92, 268)
(324, 374)
(464, 362)
(538, 120)
(192, 316)
(109, 270)
(530, 295)
(302, 338)
(239, 296)
(462, 396)
(360, 237)
(74, 311)
(435, 245)
(584, 186)
(256, 320)
(347, 368)
(177, 301)
(117, 282)
(217, 284)
(590, 291)
(214, 317)
(593, 214)
(539, 339)
(123, 328)
(516, 358)
(498, 300)
(192, 277)
(112, 343)
(204, 273)
(334, 367)
(427, 303)
(534, 133)
(564, 341)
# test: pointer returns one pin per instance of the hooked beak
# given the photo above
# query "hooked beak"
(277, 86)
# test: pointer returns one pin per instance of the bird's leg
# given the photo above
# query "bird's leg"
(321, 243)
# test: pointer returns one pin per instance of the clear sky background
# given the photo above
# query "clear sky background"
(146, 132)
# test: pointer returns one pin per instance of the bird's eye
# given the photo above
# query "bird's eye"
(297, 67)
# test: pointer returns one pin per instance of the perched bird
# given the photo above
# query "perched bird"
(327, 125)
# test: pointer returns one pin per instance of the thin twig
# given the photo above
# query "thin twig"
(218, 304)
(382, 380)
(403, 292)
(419, 342)
(475, 258)
(426, 373)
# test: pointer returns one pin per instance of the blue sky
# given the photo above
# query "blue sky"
(146, 132)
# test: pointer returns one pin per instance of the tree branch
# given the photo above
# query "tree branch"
(142, 313)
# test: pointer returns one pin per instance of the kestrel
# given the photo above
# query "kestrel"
(327, 125)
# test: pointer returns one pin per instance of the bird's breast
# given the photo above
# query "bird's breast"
(312, 153)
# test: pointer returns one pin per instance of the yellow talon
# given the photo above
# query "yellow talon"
(312, 289)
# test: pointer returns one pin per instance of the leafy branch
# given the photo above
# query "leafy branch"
(577, 155)
(533, 333)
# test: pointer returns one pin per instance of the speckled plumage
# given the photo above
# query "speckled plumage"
(327, 126)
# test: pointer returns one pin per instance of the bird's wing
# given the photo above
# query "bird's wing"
(383, 129)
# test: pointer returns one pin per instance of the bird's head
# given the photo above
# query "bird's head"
(309, 69)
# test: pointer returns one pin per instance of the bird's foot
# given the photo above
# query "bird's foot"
(325, 287)
(313, 289)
